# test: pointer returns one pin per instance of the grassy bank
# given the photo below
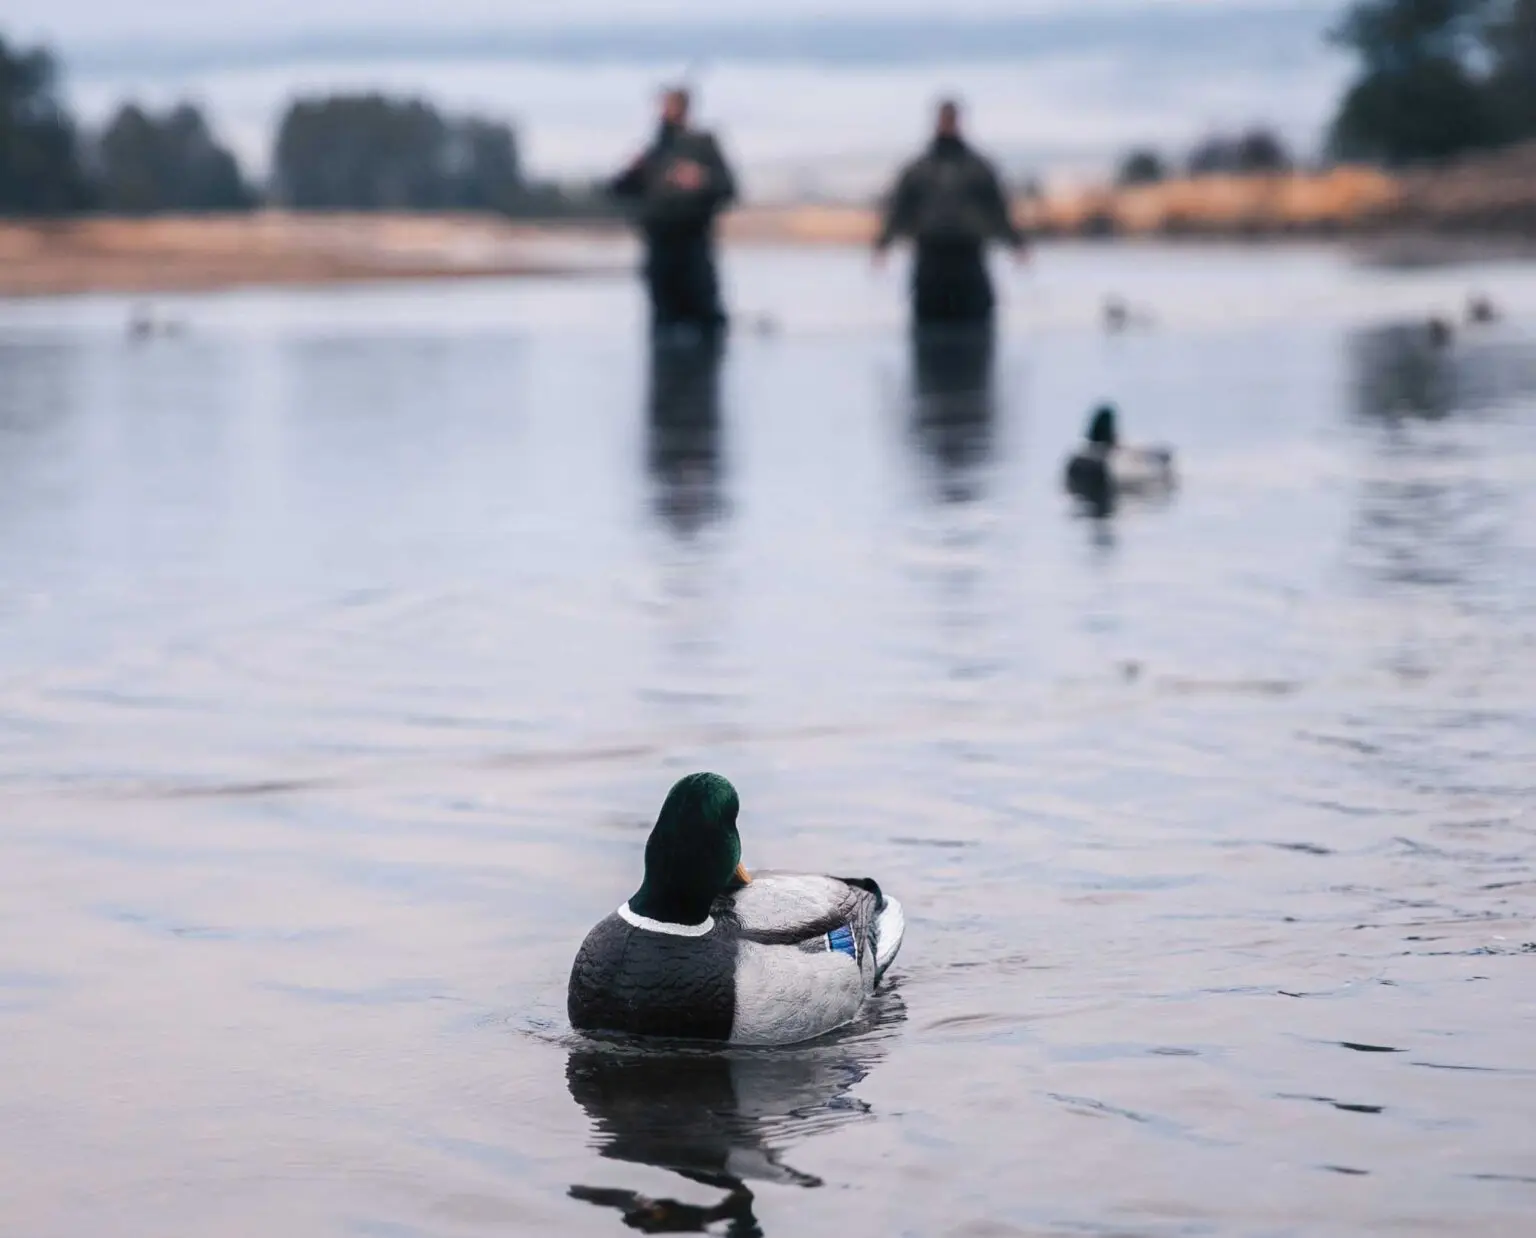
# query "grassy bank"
(1485, 205)
(168, 254)
(1326, 203)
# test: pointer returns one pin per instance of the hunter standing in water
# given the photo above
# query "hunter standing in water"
(950, 202)
(679, 184)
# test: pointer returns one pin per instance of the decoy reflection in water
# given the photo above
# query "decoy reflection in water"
(718, 1118)
(144, 323)
(1430, 513)
(1400, 371)
(954, 407)
(1120, 316)
(683, 431)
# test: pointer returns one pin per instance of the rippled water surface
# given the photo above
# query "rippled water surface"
(349, 640)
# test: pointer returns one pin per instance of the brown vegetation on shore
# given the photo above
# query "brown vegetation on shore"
(186, 253)
(1269, 204)
(1491, 195)
(802, 225)
(1490, 198)
(1225, 205)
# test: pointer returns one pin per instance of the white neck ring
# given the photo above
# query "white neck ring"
(661, 926)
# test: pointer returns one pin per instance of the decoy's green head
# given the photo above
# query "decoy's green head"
(1101, 428)
(694, 852)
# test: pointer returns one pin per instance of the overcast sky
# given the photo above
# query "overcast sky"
(808, 94)
(97, 21)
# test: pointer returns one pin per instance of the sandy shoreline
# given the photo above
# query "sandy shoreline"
(199, 254)
(202, 253)
(1436, 215)
(186, 254)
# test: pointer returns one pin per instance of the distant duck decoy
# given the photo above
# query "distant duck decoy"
(704, 951)
(143, 324)
(1439, 331)
(1103, 469)
(1119, 316)
(1481, 310)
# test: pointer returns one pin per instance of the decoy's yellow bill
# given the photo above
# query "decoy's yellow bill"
(742, 875)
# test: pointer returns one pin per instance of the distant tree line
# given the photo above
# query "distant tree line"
(143, 164)
(1437, 77)
(41, 171)
(368, 152)
(345, 152)
(1256, 150)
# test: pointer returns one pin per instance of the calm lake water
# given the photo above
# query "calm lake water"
(349, 640)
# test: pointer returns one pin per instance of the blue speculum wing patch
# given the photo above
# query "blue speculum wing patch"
(841, 940)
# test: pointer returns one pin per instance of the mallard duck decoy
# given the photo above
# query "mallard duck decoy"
(1119, 315)
(1481, 310)
(1103, 469)
(703, 950)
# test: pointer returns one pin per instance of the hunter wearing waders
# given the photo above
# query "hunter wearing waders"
(678, 185)
(950, 202)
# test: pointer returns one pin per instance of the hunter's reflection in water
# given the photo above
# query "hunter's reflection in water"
(1401, 370)
(1432, 509)
(683, 443)
(954, 411)
(720, 1118)
(1405, 370)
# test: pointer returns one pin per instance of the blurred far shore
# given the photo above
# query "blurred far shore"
(1478, 208)
(1430, 156)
